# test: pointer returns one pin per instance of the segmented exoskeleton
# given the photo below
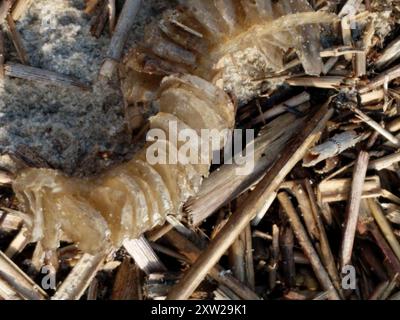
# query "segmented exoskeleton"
(181, 65)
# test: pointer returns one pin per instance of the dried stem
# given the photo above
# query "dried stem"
(125, 23)
(305, 242)
(383, 223)
(18, 283)
(353, 208)
(376, 126)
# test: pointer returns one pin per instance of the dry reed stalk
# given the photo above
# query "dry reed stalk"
(384, 225)
(335, 190)
(325, 82)
(19, 242)
(21, 71)
(305, 242)
(159, 232)
(120, 35)
(143, 254)
(375, 125)
(373, 97)
(353, 208)
(389, 54)
(9, 221)
(325, 248)
(384, 77)
(79, 279)
(384, 162)
(255, 205)
(329, 65)
(281, 108)
(393, 125)
(304, 205)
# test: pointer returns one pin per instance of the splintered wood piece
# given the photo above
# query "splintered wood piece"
(79, 279)
(143, 254)
(36, 74)
(306, 210)
(353, 208)
(255, 206)
(16, 39)
(15, 282)
(325, 248)
(389, 55)
(339, 51)
(384, 162)
(325, 82)
(281, 108)
(305, 242)
(159, 232)
(128, 282)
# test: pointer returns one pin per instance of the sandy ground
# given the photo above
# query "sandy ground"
(66, 128)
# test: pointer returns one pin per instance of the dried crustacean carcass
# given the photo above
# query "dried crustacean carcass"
(183, 64)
